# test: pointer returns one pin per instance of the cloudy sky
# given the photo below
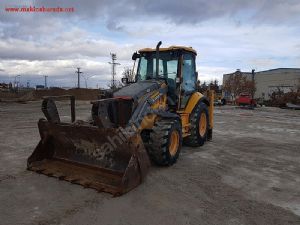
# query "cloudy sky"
(228, 35)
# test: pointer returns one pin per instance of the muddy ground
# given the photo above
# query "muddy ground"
(248, 174)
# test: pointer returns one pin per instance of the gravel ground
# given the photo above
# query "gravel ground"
(248, 174)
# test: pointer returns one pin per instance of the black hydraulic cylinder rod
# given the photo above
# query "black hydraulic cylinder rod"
(73, 117)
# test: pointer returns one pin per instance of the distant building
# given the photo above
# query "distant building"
(268, 81)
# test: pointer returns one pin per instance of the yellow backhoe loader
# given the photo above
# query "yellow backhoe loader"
(146, 120)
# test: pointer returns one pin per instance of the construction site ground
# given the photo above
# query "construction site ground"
(248, 174)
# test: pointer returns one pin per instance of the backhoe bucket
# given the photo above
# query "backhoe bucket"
(106, 159)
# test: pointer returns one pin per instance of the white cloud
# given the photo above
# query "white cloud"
(73, 44)
(236, 34)
(56, 70)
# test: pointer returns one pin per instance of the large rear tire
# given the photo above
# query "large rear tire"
(199, 120)
(165, 142)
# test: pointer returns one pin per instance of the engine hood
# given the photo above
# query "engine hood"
(136, 90)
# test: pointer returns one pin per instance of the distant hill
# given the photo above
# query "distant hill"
(33, 95)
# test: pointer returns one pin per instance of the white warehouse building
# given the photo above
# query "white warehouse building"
(268, 81)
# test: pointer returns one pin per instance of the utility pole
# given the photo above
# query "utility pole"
(253, 83)
(113, 69)
(17, 83)
(45, 82)
(78, 76)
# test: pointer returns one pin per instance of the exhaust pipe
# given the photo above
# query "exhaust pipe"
(157, 59)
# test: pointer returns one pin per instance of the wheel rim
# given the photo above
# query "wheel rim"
(202, 124)
(174, 142)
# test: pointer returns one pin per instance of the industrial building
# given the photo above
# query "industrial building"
(268, 81)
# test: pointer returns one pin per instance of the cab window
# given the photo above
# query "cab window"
(168, 65)
(188, 72)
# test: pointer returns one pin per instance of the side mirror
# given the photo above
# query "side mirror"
(136, 56)
(196, 74)
(124, 80)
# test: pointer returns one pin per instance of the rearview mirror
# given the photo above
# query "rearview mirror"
(136, 56)
(124, 80)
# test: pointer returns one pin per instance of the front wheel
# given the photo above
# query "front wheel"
(165, 142)
(199, 120)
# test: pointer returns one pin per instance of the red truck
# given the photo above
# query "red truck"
(245, 100)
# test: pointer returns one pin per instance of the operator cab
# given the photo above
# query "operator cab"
(176, 66)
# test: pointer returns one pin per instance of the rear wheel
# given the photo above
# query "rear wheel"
(199, 126)
(165, 142)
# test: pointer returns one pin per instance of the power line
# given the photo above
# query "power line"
(86, 79)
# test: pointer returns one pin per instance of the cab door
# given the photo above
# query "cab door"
(188, 76)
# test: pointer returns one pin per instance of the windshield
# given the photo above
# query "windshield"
(168, 63)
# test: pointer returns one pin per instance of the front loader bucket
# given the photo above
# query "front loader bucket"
(106, 159)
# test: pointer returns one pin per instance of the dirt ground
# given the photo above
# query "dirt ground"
(248, 174)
